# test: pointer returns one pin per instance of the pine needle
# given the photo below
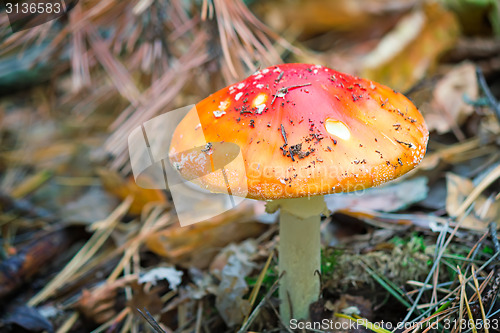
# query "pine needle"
(387, 285)
(463, 296)
(86, 253)
(478, 293)
(258, 284)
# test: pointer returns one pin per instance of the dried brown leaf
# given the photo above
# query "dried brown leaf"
(121, 188)
(406, 54)
(485, 209)
(195, 245)
(99, 303)
(448, 110)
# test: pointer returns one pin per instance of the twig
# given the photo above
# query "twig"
(24, 207)
(151, 321)
(283, 133)
(493, 231)
(284, 90)
(33, 257)
(486, 89)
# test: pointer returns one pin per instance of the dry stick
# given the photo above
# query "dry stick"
(24, 265)
(204, 10)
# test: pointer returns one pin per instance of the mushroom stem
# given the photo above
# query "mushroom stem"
(299, 255)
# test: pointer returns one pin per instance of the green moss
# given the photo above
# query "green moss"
(488, 250)
(269, 279)
(415, 243)
(329, 261)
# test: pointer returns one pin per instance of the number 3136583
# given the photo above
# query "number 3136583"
(469, 323)
(33, 8)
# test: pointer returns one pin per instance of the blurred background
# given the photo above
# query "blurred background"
(83, 247)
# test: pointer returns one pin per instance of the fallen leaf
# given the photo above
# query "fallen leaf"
(315, 17)
(388, 198)
(196, 245)
(479, 17)
(448, 110)
(173, 276)
(31, 183)
(229, 294)
(145, 298)
(94, 205)
(29, 319)
(411, 49)
(121, 188)
(485, 210)
(436, 199)
(357, 305)
(98, 303)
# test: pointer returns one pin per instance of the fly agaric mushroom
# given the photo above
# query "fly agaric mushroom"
(304, 131)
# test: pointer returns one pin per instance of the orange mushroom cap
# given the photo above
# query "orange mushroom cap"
(302, 130)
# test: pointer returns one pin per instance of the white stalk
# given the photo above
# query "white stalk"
(299, 254)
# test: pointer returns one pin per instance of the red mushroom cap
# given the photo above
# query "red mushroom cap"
(302, 130)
